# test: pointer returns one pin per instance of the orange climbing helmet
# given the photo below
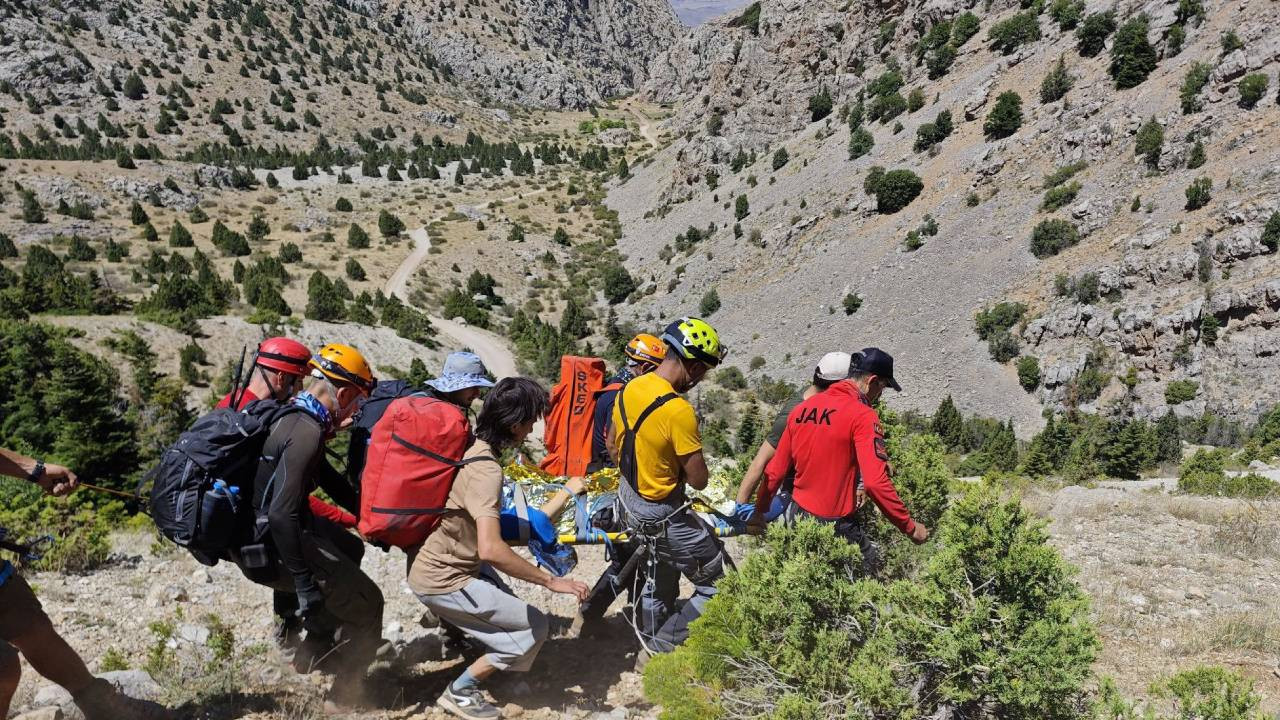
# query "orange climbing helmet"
(344, 364)
(646, 349)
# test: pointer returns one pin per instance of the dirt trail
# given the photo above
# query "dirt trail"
(646, 130)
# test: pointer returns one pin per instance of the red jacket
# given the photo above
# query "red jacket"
(832, 441)
(319, 508)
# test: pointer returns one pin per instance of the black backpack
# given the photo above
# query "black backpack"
(371, 411)
(192, 498)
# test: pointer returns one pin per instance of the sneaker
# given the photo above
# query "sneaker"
(469, 704)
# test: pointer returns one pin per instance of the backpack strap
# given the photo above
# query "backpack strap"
(438, 457)
(627, 453)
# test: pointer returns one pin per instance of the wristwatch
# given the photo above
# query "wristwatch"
(37, 472)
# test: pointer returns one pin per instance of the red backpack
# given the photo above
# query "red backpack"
(568, 429)
(414, 454)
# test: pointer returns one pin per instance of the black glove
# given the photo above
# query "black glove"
(310, 602)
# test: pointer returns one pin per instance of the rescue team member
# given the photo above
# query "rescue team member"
(833, 367)
(644, 354)
(659, 452)
(448, 572)
(279, 365)
(833, 440)
(305, 554)
(461, 380)
(25, 628)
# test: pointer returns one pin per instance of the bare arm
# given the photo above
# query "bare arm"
(560, 500)
(495, 551)
(693, 468)
(56, 480)
(755, 472)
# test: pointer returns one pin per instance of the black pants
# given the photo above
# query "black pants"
(285, 604)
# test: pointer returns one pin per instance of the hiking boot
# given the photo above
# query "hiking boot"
(469, 704)
(102, 701)
(428, 619)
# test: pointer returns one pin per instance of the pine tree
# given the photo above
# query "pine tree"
(948, 424)
(355, 271)
(32, 212)
(1168, 439)
(749, 429)
(741, 207)
(137, 215)
(389, 225)
(1005, 117)
(1001, 448)
(133, 88)
(179, 236)
(1150, 142)
(357, 238)
(1057, 82)
(573, 321)
(258, 228)
(1132, 57)
(323, 301)
(457, 175)
(561, 237)
(624, 170)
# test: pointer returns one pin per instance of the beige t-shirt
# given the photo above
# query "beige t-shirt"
(450, 558)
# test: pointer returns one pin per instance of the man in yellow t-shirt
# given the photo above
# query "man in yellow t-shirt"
(659, 452)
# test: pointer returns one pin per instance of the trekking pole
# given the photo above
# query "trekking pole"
(108, 491)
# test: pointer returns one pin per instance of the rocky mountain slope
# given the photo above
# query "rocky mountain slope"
(543, 53)
(811, 236)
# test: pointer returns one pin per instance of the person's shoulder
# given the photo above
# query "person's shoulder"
(482, 467)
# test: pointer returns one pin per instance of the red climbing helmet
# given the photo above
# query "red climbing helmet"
(283, 354)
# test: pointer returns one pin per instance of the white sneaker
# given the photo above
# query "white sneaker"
(469, 704)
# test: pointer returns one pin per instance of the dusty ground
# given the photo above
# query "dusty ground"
(1175, 581)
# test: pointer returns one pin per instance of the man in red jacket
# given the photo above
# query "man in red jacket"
(834, 443)
(278, 368)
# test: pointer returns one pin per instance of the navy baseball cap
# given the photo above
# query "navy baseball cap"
(876, 362)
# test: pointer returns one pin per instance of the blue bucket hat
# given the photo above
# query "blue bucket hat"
(462, 370)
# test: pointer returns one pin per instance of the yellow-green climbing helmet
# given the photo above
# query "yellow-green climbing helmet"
(695, 339)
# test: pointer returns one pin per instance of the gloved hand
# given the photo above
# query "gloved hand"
(310, 602)
(744, 511)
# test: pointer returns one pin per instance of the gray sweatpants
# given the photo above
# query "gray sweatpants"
(512, 629)
(685, 546)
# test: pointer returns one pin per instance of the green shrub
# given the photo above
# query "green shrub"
(710, 303)
(1003, 346)
(861, 141)
(780, 158)
(749, 19)
(1209, 329)
(342, 205)
(1060, 196)
(1196, 158)
(998, 318)
(1149, 143)
(1005, 117)
(820, 104)
(797, 615)
(852, 303)
(1180, 391)
(1174, 40)
(1199, 193)
(887, 107)
(1231, 42)
(1092, 34)
(1067, 13)
(1132, 57)
(1063, 174)
(1057, 82)
(1252, 87)
(894, 190)
(964, 27)
(617, 284)
(932, 133)
(1029, 372)
(1271, 232)
(915, 100)
(1250, 486)
(1052, 236)
(1008, 35)
(1194, 81)
(357, 238)
(731, 378)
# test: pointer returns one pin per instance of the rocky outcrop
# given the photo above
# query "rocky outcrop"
(544, 53)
